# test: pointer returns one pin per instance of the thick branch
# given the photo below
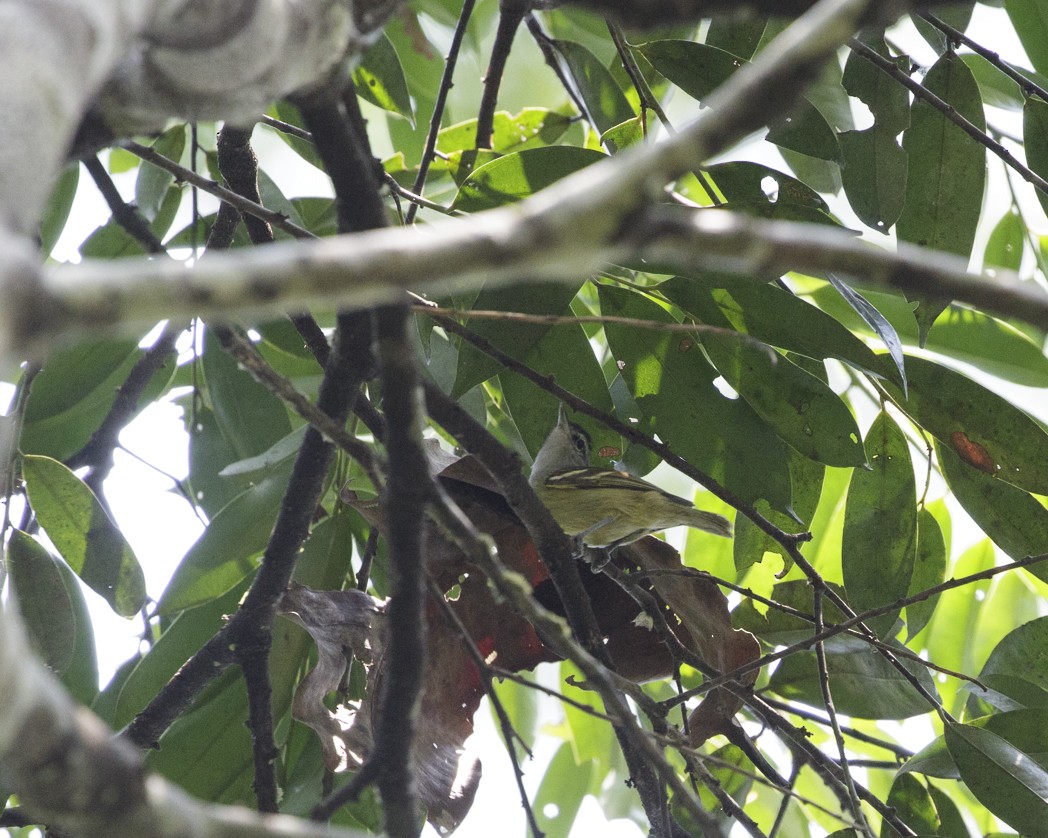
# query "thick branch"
(48, 746)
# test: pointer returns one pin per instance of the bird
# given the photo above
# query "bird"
(603, 507)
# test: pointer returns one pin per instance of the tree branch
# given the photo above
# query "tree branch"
(49, 745)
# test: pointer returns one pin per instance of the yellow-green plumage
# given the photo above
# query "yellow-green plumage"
(607, 508)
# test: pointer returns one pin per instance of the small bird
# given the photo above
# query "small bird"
(603, 507)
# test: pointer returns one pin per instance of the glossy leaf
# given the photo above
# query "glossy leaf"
(207, 751)
(1007, 242)
(806, 482)
(929, 570)
(227, 550)
(947, 170)
(1025, 729)
(563, 353)
(1035, 133)
(877, 323)
(520, 174)
(699, 69)
(737, 34)
(997, 89)
(801, 409)
(58, 206)
(1030, 19)
(880, 524)
(88, 540)
(152, 182)
(673, 385)
(251, 418)
(769, 314)
(1002, 778)
(992, 345)
(43, 601)
(560, 794)
(181, 639)
(1012, 670)
(71, 396)
(530, 128)
(605, 103)
(913, 806)
(209, 453)
(990, 434)
(379, 79)
(516, 339)
(863, 683)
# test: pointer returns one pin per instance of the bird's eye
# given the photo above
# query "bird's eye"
(580, 439)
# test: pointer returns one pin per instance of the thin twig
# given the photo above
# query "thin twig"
(277, 219)
(831, 714)
(446, 81)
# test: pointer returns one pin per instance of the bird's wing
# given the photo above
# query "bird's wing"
(603, 478)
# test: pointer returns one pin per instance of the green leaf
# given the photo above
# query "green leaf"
(379, 79)
(878, 324)
(991, 345)
(874, 176)
(778, 627)
(519, 175)
(209, 453)
(737, 34)
(207, 751)
(997, 89)
(625, 133)
(563, 353)
(605, 103)
(1026, 729)
(1035, 134)
(699, 69)
(947, 171)
(673, 386)
(1012, 669)
(988, 433)
(88, 540)
(1030, 19)
(561, 792)
(863, 683)
(530, 128)
(769, 314)
(43, 601)
(951, 823)
(58, 206)
(251, 418)
(887, 100)
(958, 17)
(181, 639)
(110, 241)
(516, 339)
(929, 570)
(1004, 779)
(152, 182)
(286, 112)
(800, 408)
(1007, 242)
(71, 396)
(751, 543)
(880, 524)
(913, 806)
(227, 550)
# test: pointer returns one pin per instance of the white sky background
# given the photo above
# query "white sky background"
(160, 526)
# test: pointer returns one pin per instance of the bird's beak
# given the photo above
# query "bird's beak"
(562, 416)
